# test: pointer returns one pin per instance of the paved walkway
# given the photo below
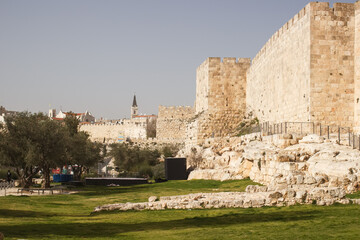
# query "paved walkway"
(14, 192)
(9, 191)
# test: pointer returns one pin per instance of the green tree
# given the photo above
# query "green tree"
(82, 153)
(14, 146)
(133, 158)
(48, 148)
(72, 124)
(31, 143)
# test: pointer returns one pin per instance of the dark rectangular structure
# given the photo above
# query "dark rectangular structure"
(175, 169)
(62, 177)
(115, 181)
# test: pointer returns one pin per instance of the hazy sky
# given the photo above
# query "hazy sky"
(94, 55)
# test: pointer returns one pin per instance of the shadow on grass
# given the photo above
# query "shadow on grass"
(186, 185)
(9, 213)
(105, 191)
(46, 230)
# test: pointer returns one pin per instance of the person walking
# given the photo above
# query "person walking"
(9, 176)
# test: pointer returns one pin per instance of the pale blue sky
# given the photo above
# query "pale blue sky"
(93, 55)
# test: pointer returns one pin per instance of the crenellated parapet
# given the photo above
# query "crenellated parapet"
(305, 71)
(112, 132)
(288, 26)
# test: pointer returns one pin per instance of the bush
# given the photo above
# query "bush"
(145, 171)
(131, 158)
(194, 159)
(159, 171)
(89, 175)
(248, 126)
(170, 150)
(129, 174)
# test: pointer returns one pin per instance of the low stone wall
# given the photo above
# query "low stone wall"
(255, 196)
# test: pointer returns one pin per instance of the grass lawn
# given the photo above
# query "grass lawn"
(69, 216)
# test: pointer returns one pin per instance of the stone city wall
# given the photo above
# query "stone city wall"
(111, 132)
(357, 68)
(332, 63)
(220, 96)
(278, 79)
(172, 123)
(305, 72)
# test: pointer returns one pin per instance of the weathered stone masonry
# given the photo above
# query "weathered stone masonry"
(308, 71)
(305, 72)
(220, 96)
(172, 123)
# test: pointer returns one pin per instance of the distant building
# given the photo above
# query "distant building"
(85, 117)
(119, 130)
(4, 113)
(134, 108)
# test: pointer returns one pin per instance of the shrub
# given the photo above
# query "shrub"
(170, 150)
(194, 159)
(159, 171)
(145, 171)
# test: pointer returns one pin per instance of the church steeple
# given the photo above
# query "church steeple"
(134, 108)
(134, 101)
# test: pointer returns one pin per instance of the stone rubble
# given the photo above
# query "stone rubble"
(307, 170)
(254, 197)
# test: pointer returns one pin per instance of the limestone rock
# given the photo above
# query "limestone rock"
(153, 199)
(312, 138)
(336, 161)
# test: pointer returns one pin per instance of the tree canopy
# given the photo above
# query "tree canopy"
(33, 142)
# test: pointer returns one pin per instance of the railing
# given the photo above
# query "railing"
(6, 185)
(343, 135)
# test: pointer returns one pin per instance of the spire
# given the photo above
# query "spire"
(134, 102)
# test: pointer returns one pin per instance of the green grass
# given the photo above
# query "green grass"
(354, 195)
(70, 217)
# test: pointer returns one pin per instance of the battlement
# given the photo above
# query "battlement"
(285, 28)
(127, 123)
(311, 9)
(357, 5)
(211, 61)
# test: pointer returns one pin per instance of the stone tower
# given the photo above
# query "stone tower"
(220, 96)
(134, 108)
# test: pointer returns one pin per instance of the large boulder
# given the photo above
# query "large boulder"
(336, 162)
(312, 138)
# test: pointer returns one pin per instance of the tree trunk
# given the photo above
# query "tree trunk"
(46, 175)
(26, 175)
(77, 173)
